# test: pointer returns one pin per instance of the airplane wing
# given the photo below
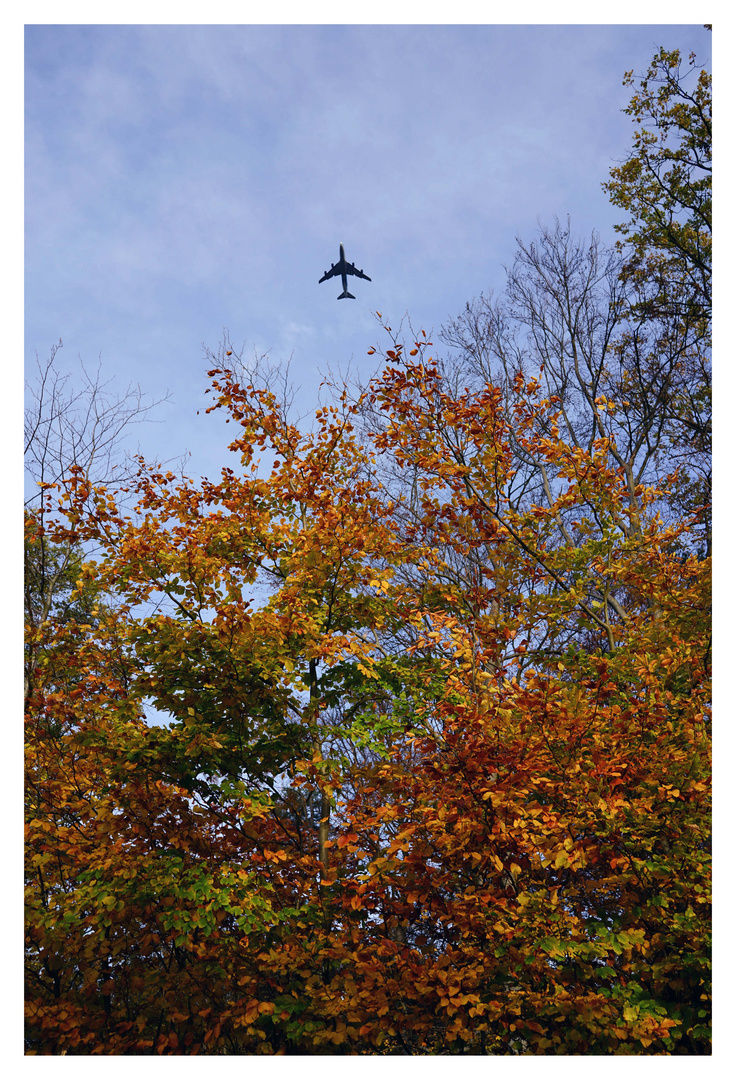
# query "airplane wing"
(350, 269)
(334, 272)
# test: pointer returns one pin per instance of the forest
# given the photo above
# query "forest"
(394, 738)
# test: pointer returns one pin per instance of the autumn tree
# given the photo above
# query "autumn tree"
(629, 325)
(524, 865)
(524, 695)
(665, 186)
(82, 426)
(256, 693)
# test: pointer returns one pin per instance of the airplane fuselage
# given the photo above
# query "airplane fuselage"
(343, 272)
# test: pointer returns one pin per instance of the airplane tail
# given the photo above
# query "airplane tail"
(346, 296)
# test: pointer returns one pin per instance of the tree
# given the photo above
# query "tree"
(515, 870)
(532, 727)
(249, 705)
(665, 185)
(66, 427)
(630, 325)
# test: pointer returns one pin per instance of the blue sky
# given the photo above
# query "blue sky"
(185, 179)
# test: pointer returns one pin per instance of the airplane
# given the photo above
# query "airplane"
(343, 268)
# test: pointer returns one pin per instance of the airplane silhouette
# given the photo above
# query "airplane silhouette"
(343, 268)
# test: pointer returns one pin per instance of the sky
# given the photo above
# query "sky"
(187, 181)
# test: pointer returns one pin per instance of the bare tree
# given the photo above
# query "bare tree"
(613, 383)
(571, 317)
(83, 426)
(67, 425)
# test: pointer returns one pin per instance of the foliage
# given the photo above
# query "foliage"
(64, 429)
(665, 185)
